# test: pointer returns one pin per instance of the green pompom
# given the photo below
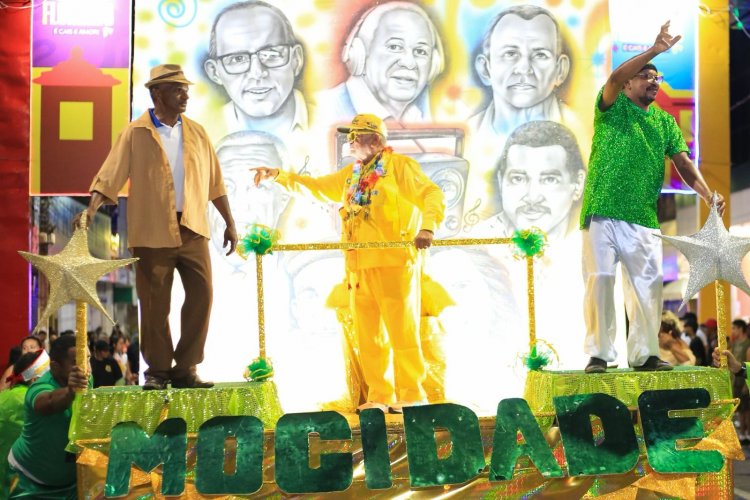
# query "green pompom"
(259, 369)
(535, 361)
(529, 242)
(259, 240)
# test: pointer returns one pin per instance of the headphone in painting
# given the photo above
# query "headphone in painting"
(354, 52)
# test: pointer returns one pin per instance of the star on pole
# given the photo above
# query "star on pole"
(73, 273)
(713, 254)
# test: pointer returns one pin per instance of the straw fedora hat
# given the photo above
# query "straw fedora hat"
(167, 73)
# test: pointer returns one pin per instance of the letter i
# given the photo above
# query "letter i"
(375, 449)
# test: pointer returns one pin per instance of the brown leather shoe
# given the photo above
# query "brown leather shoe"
(191, 382)
(154, 383)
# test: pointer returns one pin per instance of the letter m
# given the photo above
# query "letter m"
(130, 445)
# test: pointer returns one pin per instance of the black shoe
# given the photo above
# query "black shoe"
(191, 382)
(154, 383)
(596, 365)
(653, 364)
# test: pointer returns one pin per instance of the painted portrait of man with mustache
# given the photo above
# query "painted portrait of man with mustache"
(540, 179)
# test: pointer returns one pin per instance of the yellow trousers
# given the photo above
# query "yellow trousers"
(387, 299)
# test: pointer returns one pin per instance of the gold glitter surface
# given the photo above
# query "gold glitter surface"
(532, 306)
(73, 273)
(103, 408)
(261, 307)
(82, 344)
(721, 321)
(623, 384)
(390, 244)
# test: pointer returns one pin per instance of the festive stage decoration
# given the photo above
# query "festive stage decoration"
(578, 437)
(208, 447)
(259, 240)
(713, 255)
(73, 273)
(258, 370)
(530, 243)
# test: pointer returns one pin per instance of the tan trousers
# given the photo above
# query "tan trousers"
(154, 273)
(389, 297)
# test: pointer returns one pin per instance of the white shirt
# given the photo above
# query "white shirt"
(171, 141)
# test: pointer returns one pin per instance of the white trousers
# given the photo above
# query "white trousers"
(605, 243)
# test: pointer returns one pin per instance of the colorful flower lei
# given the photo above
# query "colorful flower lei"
(363, 180)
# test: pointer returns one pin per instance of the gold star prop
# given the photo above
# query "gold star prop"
(713, 254)
(73, 273)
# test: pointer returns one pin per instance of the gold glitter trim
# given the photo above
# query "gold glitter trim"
(532, 306)
(261, 307)
(82, 343)
(381, 245)
(721, 317)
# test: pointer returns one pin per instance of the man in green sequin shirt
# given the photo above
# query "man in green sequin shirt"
(618, 216)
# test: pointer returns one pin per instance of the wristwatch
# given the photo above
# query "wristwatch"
(743, 371)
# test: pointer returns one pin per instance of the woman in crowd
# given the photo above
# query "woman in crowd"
(672, 348)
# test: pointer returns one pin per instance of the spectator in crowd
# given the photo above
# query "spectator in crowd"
(710, 328)
(38, 456)
(671, 347)
(104, 369)
(13, 355)
(690, 335)
(119, 346)
(29, 344)
(25, 370)
(43, 338)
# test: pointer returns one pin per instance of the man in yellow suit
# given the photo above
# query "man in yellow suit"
(385, 196)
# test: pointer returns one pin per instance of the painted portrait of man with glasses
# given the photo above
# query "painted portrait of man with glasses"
(255, 57)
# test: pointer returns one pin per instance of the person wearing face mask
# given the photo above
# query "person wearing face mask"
(385, 196)
(618, 215)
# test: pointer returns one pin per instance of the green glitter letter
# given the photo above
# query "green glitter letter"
(661, 432)
(131, 445)
(616, 454)
(293, 472)
(248, 475)
(514, 416)
(466, 460)
(375, 449)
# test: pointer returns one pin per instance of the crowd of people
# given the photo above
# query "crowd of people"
(114, 358)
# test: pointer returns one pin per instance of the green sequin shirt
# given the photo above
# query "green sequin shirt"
(626, 166)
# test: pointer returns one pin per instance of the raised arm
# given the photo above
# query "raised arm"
(627, 70)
